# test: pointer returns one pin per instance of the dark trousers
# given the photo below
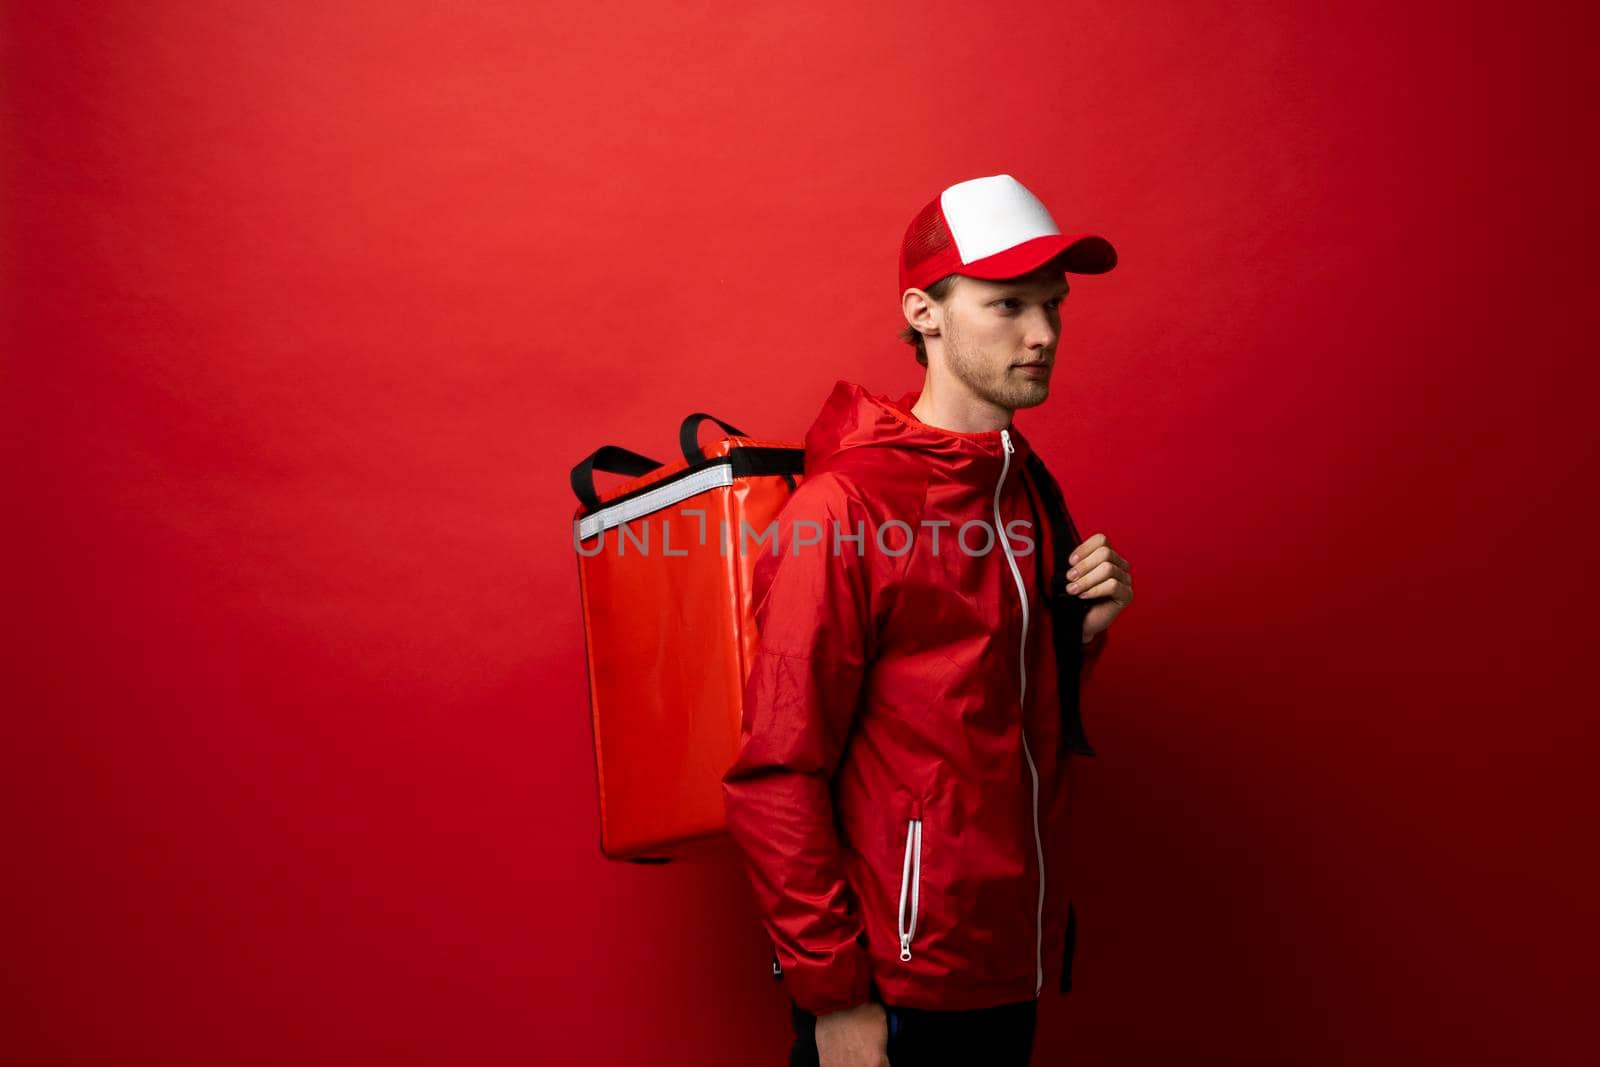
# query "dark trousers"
(1001, 1036)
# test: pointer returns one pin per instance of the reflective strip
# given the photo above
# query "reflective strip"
(1022, 591)
(910, 878)
(655, 499)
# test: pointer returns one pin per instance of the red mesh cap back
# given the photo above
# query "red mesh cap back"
(926, 248)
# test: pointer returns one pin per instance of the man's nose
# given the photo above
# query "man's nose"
(1042, 332)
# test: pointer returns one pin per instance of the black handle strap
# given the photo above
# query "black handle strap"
(689, 439)
(612, 459)
(689, 433)
(1067, 611)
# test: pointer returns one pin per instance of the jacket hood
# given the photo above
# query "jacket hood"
(853, 418)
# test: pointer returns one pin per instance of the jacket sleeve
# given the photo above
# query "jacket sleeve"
(1092, 650)
(813, 611)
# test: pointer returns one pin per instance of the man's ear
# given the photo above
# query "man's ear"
(922, 314)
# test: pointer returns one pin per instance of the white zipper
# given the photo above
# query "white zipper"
(1022, 592)
(910, 880)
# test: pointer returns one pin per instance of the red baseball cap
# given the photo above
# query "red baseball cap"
(992, 227)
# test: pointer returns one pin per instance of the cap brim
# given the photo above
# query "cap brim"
(1078, 253)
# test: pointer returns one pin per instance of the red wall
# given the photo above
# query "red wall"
(308, 312)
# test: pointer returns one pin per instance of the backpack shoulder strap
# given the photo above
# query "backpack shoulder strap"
(1067, 610)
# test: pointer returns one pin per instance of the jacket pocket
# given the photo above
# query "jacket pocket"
(910, 884)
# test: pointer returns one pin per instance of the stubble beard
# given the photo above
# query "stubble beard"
(991, 381)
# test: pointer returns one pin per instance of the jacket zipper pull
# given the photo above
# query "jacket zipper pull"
(1005, 439)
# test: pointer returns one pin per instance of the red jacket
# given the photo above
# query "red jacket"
(900, 792)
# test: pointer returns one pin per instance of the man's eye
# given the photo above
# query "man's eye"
(1006, 303)
(1053, 303)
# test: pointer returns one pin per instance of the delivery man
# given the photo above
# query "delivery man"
(900, 792)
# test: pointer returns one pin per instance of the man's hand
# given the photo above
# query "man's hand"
(855, 1037)
(1099, 574)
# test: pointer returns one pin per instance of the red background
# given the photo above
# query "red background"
(308, 312)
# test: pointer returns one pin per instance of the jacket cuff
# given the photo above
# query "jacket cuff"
(1091, 655)
(837, 982)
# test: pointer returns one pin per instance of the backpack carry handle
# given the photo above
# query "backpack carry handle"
(689, 438)
(689, 433)
(612, 459)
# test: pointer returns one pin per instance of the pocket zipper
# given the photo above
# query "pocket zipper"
(910, 882)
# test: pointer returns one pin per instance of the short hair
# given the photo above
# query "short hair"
(938, 291)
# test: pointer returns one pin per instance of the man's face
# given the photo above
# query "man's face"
(1000, 336)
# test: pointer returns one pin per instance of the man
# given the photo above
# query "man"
(900, 792)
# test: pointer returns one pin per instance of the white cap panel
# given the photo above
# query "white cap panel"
(992, 214)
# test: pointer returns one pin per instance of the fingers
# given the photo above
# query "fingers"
(1090, 543)
(1094, 550)
(1116, 588)
(1093, 579)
